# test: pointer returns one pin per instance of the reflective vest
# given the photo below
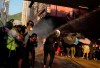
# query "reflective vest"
(11, 45)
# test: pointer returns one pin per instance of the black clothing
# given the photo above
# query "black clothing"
(49, 48)
(30, 47)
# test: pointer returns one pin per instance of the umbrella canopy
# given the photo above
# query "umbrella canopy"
(85, 40)
(69, 40)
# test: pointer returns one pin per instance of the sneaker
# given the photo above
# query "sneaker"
(49, 67)
(83, 57)
(65, 56)
(94, 59)
(68, 56)
(44, 66)
(73, 57)
(87, 58)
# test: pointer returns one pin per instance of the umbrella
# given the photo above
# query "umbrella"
(85, 41)
(69, 40)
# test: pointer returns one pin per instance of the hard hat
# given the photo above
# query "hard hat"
(58, 33)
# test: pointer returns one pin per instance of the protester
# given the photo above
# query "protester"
(85, 47)
(49, 47)
(20, 51)
(31, 42)
(11, 44)
(3, 49)
(73, 50)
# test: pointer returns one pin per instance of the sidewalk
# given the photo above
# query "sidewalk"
(87, 63)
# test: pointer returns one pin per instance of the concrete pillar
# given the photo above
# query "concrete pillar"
(4, 5)
(25, 12)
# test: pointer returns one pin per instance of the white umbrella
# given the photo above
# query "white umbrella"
(85, 41)
(69, 40)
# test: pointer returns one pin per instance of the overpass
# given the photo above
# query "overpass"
(90, 4)
(76, 4)
(87, 24)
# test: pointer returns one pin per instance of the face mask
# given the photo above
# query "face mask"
(31, 28)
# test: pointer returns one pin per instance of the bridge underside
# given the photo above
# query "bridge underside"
(87, 24)
(90, 4)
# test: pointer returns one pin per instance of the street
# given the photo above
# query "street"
(65, 62)
(59, 62)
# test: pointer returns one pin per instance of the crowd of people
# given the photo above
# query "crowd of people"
(73, 46)
(16, 42)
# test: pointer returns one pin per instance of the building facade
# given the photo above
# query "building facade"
(4, 8)
(25, 12)
(30, 13)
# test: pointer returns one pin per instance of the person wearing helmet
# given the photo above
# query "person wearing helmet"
(49, 47)
(11, 43)
(57, 32)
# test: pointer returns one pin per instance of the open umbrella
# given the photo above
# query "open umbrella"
(85, 41)
(69, 40)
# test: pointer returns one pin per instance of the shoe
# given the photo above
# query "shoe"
(68, 56)
(72, 57)
(87, 58)
(49, 67)
(94, 59)
(83, 57)
(44, 66)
